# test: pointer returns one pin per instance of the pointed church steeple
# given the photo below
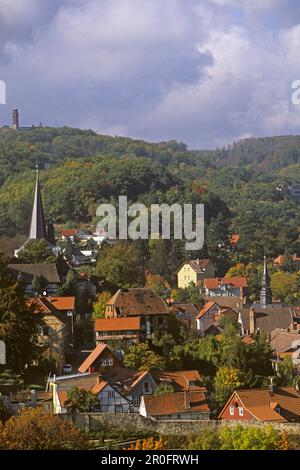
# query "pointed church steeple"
(38, 226)
(265, 291)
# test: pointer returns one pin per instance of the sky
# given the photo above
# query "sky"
(203, 72)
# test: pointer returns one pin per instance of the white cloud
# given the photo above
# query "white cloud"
(203, 72)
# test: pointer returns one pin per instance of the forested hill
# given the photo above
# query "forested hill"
(246, 183)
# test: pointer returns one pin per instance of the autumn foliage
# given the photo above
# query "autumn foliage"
(35, 429)
(149, 444)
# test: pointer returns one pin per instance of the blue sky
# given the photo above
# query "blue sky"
(205, 72)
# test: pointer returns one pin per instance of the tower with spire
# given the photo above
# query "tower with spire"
(265, 291)
(38, 225)
(38, 229)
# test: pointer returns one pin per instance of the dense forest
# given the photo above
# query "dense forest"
(245, 188)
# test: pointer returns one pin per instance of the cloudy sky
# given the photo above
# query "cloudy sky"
(205, 72)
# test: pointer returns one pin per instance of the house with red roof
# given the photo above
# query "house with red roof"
(100, 358)
(211, 314)
(111, 401)
(276, 404)
(186, 405)
(58, 317)
(132, 316)
(226, 287)
(194, 271)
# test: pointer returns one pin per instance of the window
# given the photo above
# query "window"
(45, 331)
(136, 401)
(110, 361)
(111, 394)
(146, 387)
(231, 410)
(103, 362)
(241, 411)
(118, 409)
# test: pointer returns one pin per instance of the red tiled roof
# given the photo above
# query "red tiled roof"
(205, 309)
(199, 264)
(215, 282)
(174, 403)
(52, 304)
(180, 380)
(95, 354)
(279, 260)
(68, 233)
(118, 324)
(138, 302)
(97, 388)
(259, 402)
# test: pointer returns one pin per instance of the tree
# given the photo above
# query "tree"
(82, 401)
(35, 429)
(119, 264)
(226, 381)
(37, 251)
(252, 438)
(39, 285)
(286, 373)
(100, 304)
(208, 439)
(284, 285)
(19, 325)
(141, 358)
(149, 444)
(164, 389)
(164, 341)
(4, 414)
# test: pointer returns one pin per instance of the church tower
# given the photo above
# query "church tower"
(265, 291)
(38, 226)
(15, 125)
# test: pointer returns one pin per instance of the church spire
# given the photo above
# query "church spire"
(265, 291)
(38, 225)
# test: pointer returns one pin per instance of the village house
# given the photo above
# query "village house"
(293, 260)
(276, 404)
(56, 336)
(132, 316)
(211, 314)
(27, 273)
(265, 319)
(194, 271)
(186, 312)
(111, 401)
(286, 343)
(226, 287)
(187, 405)
(100, 358)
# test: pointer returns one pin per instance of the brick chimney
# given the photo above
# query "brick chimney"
(252, 321)
(187, 404)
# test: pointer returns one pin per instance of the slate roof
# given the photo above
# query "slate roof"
(28, 271)
(269, 318)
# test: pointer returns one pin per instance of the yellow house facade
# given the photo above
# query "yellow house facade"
(194, 271)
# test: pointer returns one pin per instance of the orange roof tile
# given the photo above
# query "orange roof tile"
(174, 403)
(95, 354)
(259, 403)
(180, 380)
(205, 309)
(118, 324)
(214, 282)
(97, 388)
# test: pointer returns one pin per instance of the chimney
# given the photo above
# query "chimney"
(33, 396)
(271, 386)
(252, 321)
(187, 404)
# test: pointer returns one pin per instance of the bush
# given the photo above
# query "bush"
(35, 429)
